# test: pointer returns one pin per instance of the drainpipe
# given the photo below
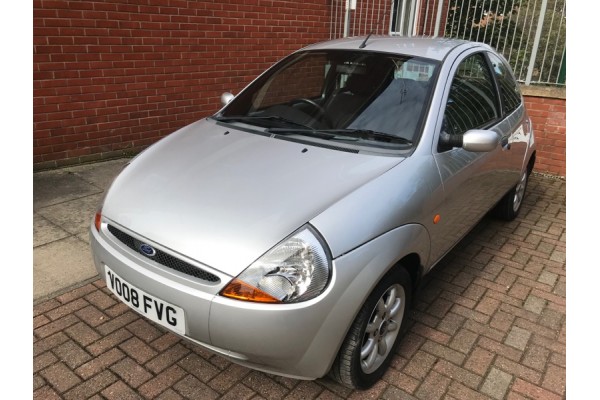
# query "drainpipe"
(438, 19)
(350, 6)
(536, 42)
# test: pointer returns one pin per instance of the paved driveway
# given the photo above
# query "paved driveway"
(489, 324)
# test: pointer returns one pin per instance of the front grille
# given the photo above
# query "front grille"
(163, 258)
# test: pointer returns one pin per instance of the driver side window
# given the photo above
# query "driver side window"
(472, 102)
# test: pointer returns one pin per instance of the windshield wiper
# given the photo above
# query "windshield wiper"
(302, 131)
(341, 134)
(251, 118)
(327, 134)
(366, 134)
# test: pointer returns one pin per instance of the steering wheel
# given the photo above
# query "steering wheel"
(320, 110)
(310, 102)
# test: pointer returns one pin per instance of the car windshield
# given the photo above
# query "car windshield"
(364, 98)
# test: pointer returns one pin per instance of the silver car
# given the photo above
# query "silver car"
(289, 231)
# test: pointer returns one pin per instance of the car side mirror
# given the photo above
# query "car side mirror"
(476, 140)
(226, 98)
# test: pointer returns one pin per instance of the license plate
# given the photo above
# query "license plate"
(166, 314)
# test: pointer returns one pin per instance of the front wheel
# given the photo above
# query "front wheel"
(374, 334)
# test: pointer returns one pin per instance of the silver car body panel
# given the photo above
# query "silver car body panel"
(220, 201)
(249, 192)
(407, 194)
(435, 49)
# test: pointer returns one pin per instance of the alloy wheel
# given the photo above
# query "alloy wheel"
(383, 328)
(520, 192)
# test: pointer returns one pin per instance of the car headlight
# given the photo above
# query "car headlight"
(297, 269)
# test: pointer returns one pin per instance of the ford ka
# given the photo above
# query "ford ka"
(289, 231)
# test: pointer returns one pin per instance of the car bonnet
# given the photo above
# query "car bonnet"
(224, 197)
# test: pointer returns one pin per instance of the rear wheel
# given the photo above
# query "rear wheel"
(375, 333)
(508, 208)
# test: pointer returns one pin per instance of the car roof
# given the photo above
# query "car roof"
(427, 47)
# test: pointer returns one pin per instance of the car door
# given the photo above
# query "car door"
(513, 112)
(473, 181)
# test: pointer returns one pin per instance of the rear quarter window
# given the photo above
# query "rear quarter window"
(510, 93)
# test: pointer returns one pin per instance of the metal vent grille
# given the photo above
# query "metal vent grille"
(163, 258)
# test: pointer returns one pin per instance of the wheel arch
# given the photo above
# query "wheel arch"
(409, 256)
(531, 162)
(405, 247)
(413, 265)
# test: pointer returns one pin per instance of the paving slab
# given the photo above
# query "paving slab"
(55, 187)
(73, 216)
(64, 202)
(100, 174)
(61, 264)
(44, 231)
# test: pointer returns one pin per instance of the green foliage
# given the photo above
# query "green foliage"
(510, 27)
(488, 21)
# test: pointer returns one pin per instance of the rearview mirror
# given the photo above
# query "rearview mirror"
(476, 140)
(480, 140)
(226, 98)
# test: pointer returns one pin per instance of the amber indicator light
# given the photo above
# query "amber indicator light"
(240, 290)
(98, 220)
(436, 219)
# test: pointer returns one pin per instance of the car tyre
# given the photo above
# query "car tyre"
(508, 208)
(375, 333)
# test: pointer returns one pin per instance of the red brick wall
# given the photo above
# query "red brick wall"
(111, 77)
(370, 16)
(427, 18)
(287, 87)
(549, 123)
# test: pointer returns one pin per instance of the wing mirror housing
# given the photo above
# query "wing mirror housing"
(476, 140)
(226, 98)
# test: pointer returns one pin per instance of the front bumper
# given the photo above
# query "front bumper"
(295, 340)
